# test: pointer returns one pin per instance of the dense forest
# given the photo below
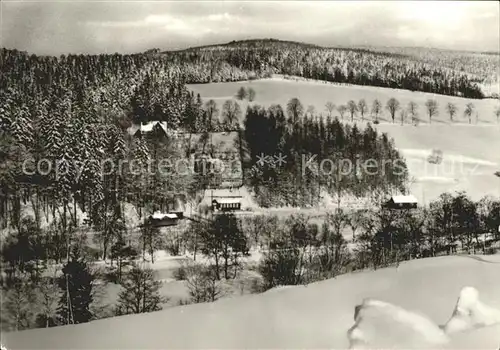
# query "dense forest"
(260, 58)
(317, 155)
(483, 67)
(72, 112)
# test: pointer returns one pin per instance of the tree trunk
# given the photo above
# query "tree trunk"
(119, 262)
(70, 319)
(144, 293)
(105, 246)
(151, 249)
(226, 267)
(217, 266)
(143, 247)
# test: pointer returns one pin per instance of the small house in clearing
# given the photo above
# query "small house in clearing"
(401, 202)
(151, 127)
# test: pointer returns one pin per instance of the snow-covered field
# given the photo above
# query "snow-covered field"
(471, 155)
(316, 316)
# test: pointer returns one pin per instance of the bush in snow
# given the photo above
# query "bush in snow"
(203, 284)
(282, 267)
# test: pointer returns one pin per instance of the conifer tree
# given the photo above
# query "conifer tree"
(76, 286)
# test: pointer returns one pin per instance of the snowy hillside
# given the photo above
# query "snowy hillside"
(315, 316)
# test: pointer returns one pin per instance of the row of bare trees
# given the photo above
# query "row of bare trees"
(393, 107)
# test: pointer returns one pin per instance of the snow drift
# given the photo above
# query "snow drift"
(471, 313)
(316, 316)
(380, 324)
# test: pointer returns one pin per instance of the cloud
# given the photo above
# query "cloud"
(185, 27)
(126, 26)
(220, 17)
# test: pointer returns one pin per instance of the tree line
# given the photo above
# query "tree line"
(261, 58)
(299, 251)
(401, 113)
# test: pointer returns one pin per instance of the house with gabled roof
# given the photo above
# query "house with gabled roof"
(402, 202)
(159, 219)
(142, 129)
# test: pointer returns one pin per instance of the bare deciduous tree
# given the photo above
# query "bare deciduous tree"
(203, 284)
(376, 108)
(251, 94)
(355, 219)
(330, 107)
(451, 109)
(392, 106)
(413, 111)
(311, 110)
(362, 108)
(342, 109)
(351, 105)
(294, 109)
(49, 297)
(497, 114)
(231, 112)
(469, 109)
(403, 114)
(432, 108)
(141, 292)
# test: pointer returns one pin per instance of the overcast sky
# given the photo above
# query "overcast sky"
(126, 26)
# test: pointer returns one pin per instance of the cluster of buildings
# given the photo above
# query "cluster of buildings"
(222, 194)
(216, 158)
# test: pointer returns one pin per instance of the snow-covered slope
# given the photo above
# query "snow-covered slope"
(315, 316)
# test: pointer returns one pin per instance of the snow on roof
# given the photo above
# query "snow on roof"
(160, 216)
(228, 200)
(404, 199)
(133, 129)
(146, 127)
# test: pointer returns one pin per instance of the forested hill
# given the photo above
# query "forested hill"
(429, 70)
(253, 43)
(436, 71)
